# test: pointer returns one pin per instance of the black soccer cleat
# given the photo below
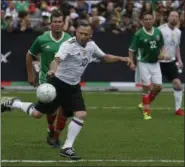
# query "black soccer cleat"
(52, 141)
(56, 144)
(69, 153)
(50, 137)
(6, 104)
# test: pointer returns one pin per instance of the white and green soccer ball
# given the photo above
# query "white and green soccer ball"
(46, 93)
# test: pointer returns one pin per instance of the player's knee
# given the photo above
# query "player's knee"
(157, 88)
(145, 89)
(81, 114)
(177, 83)
(36, 114)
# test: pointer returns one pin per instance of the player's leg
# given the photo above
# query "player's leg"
(51, 128)
(53, 136)
(26, 107)
(177, 89)
(60, 125)
(145, 79)
(35, 110)
(173, 76)
(76, 104)
(50, 120)
(156, 81)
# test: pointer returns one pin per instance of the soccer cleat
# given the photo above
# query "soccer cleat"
(140, 107)
(179, 112)
(6, 104)
(56, 144)
(52, 141)
(69, 153)
(146, 116)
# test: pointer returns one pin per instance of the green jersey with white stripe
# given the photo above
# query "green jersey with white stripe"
(46, 47)
(147, 46)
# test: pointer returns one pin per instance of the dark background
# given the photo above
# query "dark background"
(19, 43)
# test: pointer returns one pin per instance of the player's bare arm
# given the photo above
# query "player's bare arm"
(131, 56)
(111, 59)
(178, 56)
(163, 55)
(29, 67)
(53, 66)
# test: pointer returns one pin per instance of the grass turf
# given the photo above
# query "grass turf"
(113, 130)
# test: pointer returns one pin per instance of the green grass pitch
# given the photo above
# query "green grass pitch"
(114, 134)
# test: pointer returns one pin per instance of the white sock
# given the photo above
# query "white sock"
(73, 130)
(178, 98)
(24, 106)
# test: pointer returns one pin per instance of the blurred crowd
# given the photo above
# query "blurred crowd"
(113, 16)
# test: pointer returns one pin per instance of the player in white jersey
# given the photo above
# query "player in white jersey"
(67, 68)
(169, 68)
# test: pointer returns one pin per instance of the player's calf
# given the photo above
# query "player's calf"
(74, 129)
(177, 89)
(146, 102)
(154, 92)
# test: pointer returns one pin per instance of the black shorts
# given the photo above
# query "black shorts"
(69, 97)
(169, 70)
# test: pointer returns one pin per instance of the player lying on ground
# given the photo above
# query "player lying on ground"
(45, 46)
(70, 63)
(147, 47)
(172, 35)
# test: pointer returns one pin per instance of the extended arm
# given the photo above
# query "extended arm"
(53, 66)
(112, 59)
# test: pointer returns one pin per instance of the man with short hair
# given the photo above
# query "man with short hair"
(147, 46)
(65, 74)
(44, 47)
(169, 68)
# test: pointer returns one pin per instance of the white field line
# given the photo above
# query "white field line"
(93, 160)
(125, 108)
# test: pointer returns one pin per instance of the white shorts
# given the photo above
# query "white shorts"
(148, 73)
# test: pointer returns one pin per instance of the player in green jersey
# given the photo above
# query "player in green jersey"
(45, 47)
(147, 48)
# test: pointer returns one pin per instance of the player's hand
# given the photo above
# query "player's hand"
(163, 57)
(180, 64)
(32, 80)
(126, 59)
(50, 74)
(132, 66)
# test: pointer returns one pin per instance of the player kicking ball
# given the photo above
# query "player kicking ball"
(66, 70)
(147, 47)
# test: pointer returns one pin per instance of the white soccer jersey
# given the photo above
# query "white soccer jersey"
(171, 41)
(75, 59)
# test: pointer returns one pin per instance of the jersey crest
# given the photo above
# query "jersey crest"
(157, 37)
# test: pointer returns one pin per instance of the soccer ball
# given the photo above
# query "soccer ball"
(46, 93)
